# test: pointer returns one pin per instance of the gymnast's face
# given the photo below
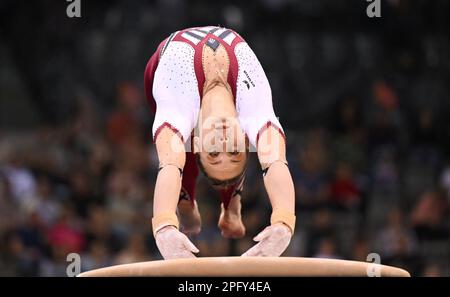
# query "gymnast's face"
(223, 154)
(222, 143)
(223, 166)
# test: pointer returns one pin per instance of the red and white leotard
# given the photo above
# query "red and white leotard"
(175, 78)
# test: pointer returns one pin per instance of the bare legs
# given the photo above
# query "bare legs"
(230, 221)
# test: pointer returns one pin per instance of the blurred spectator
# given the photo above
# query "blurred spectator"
(125, 200)
(322, 228)
(386, 123)
(327, 249)
(99, 166)
(426, 140)
(429, 216)
(31, 233)
(425, 133)
(24, 247)
(345, 193)
(129, 115)
(360, 250)
(134, 251)
(97, 256)
(397, 243)
(66, 234)
(385, 173)
(347, 117)
(20, 179)
(82, 196)
(395, 237)
(15, 260)
(98, 229)
(383, 132)
(384, 95)
(350, 139)
(311, 182)
(44, 203)
(56, 264)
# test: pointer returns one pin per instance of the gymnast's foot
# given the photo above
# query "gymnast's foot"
(190, 220)
(230, 221)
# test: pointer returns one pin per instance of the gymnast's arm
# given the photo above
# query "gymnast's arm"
(170, 241)
(277, 178)
(274, 239)
(171, 156)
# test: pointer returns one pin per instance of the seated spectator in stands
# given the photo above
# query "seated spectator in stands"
(31, 233)
(397, 244)
(348, 117)
(21, 180)
(345, 193)
(385, 174)
(97, 256)
(44, 203)
(426, 139)
(97, 227)
(387, 129)
(327, 249)
(125, 200)
(82, 195)
(128, 118)
(429, 216)
(383, 132)
(360, 250)
(395, 237)
(311, 182)
(67, 233)
(55, 263)
(425, 133)
(323, 227)
(135, 251)
(15, 260)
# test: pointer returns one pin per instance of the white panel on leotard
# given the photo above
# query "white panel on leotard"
(198, 32)
(175, 89)
(253, 94)
(230, 37)
(191, 38)
(207, 28)
(220, 31)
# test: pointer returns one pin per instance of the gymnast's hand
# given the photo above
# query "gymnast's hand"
(173, 244)
(272, 241)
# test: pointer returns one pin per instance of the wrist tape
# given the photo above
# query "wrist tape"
(163, 220)
(283, 216)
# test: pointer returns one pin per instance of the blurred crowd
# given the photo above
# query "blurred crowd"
(366, 114)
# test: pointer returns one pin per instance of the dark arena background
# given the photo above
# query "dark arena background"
(364, 102)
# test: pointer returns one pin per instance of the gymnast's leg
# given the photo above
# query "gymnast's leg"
(230, 221)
